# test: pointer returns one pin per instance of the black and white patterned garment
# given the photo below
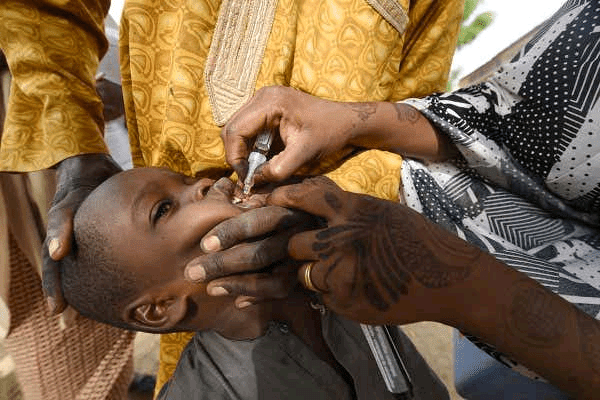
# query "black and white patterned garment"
(527, 188)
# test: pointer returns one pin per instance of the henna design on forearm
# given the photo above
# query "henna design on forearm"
(391, 245)
(589, 337)
(363, 110)
(406, 113)
(536, 316)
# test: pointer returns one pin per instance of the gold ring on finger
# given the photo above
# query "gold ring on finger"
(308, 283)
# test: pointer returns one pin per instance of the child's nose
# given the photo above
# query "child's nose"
(198, 190)
(221, 190)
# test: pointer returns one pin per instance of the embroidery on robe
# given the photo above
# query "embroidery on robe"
(392, 12)
(236, 54)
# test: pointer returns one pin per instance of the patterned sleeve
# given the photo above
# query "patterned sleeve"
(532, 128)
(473, 120)
(430, 41)
(52, 48)
(479, 122)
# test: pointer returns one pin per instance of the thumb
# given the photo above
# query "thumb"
(59, 232)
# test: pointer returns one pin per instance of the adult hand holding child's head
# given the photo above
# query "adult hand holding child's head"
(76, 178)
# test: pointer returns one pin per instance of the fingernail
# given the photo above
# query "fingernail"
(53, 246)
(244, 304)
(211, 243)
(218, 291)
(195, 273)
(51, 304)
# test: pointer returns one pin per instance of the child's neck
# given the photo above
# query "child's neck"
(304, 321)
(251, 322)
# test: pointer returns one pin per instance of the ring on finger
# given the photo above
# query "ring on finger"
(308, 283)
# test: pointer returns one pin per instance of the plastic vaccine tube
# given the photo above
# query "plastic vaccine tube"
(391, 366)
(257, 157)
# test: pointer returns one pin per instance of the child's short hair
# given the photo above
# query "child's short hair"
(93, 282)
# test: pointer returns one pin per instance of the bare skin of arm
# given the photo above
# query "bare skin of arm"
(379, 262)
(398, 128)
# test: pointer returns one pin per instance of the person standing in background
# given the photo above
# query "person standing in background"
(64, 357)
(56, 357)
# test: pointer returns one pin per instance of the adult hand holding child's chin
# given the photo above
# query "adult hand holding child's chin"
(373, 261)
(246, 256)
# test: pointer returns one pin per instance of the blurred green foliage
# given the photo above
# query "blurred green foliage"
(470, 28)
(469, 31)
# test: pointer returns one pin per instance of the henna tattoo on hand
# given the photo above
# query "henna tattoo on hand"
(364, 110)
(390, 245)
(332, 201)
(537, 317)
(406, 113)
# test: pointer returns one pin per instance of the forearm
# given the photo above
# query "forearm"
(54, 111)
(430, 273)
(529, 323)
(398, 128)
(464, 287)
(378, 262)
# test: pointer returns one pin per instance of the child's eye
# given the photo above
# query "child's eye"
(162, 209)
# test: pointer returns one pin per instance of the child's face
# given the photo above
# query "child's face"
(169, 213)
(157, 220)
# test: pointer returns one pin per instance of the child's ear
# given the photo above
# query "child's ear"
(155, 315)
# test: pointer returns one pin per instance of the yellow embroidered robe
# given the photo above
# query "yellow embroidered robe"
(187, 66)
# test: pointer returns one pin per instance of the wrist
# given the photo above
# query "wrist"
(76, 159)
(367, 124)
(95, 167)
(387, 126)
(401, 129)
